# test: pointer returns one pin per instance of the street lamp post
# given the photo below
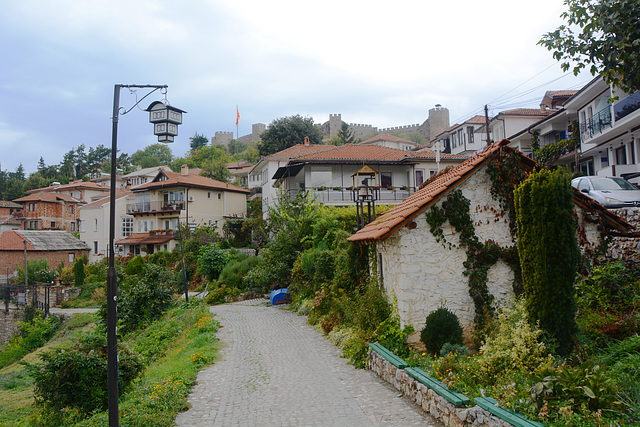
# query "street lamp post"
(166, 120)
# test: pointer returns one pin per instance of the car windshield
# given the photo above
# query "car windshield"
(611, 184)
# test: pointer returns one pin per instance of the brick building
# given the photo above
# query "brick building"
(56, 246)
(46, 211)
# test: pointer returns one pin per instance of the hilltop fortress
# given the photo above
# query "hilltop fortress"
(436, 123)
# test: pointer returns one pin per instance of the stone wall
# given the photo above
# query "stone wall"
(431, 402)
(622, 247)
(8, 323)
(423, 273)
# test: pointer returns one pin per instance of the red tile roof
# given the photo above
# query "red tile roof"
(299, 150)
(526, 112)
(356, 152)
(396, 218)
(145, 238)
(195, 181)
(47, 197)
(561, 93)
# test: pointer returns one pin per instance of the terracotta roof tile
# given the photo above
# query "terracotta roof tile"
(145, 238)
(526, 112)
(198, 181)
(357, 152)
(299, 150)
(47, 197)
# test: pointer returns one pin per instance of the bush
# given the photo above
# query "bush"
(211, 261)
(38, 271)
(32, 334)
(135, 266)
(441, 327)
(75, 377)
(221, 294)
(234, 272)
(513, 345)
(142, 299)
(163, 258)
(78, 271)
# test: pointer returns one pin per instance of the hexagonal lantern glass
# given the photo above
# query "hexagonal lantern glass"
(165, 119)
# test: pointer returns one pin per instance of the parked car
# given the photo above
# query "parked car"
(611, 192)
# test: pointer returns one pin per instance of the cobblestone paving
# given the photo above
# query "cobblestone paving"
(275, 370)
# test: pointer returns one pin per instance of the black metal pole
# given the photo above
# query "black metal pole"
(112, 286)
(184, 273)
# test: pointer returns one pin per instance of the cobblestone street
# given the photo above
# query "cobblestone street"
(276, 370)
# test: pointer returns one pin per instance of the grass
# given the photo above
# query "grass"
(174, 349)
(16, 400)
(91, 296)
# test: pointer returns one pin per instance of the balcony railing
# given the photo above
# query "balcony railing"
(148, 207)
(596, 124)
(342, 195)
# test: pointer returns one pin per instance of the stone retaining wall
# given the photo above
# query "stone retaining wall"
(626, 248)
(431, 402)
(8, 324)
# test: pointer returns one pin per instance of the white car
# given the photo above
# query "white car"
(611, 192)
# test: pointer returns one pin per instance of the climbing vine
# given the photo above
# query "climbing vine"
(550, 153)
(505, 173)
(480, 256)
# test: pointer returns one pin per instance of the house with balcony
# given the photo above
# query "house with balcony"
(330, 175)
(551, 129)
(158, 207)
(260, 180)
(609, 126)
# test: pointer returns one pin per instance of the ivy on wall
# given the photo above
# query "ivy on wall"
(505, 174)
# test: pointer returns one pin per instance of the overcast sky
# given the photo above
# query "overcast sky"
(383, 63)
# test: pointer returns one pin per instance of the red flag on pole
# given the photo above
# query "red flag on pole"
(237, 115)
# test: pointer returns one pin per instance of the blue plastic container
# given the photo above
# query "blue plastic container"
(279, 296)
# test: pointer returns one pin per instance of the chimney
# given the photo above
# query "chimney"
(306, 141)
(184, 170)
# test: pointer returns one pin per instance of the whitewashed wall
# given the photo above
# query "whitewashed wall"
(422, 273)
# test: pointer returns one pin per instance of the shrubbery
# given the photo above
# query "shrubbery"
(441, 327)
(32, 334)
(75, 376)
(211, 261)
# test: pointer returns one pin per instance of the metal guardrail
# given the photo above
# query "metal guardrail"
(19, 296)
(144, 207)
(596, 124)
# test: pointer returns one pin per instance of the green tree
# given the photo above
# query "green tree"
(216, 168)
(152, 155)
(198, 141)
(602, 34)
(236, 147)
(549, 254)
(344, 136)
(286, 132)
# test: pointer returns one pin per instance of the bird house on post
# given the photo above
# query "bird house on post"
(365, 193)
(165, 119)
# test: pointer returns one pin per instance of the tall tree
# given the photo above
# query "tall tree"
(345, 136)
(152, 155)
(286, 132)
(608, 40)
(236, 147)
(549, 253)
(198, 141)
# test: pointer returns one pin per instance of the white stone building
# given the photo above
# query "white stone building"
(422, 273)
